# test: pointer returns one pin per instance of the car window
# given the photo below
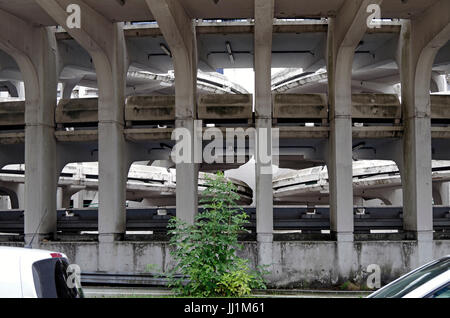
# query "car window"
(61, 278)
(50, 279)
(414, 280)
(44, 278)
(441, 293)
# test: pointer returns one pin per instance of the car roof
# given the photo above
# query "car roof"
(27, 252)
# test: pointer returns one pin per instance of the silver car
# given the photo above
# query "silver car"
(432, 280)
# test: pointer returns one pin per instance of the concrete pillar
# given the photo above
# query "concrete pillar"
(64, 196)
(78, 200)
(16, 89)
(4, 203)
(179, 32)
(15, 192)
(105, 42)
(18, 199)
(441, 193)
(264, 15)
(420, 41)
(444, 191)
(344, 33)
(59, 198)
(441, 81)
(68, 86)
(394, 196)
(35, 49)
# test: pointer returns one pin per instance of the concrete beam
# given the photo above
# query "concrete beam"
(369, 86)
(376, 106)
(140, 58)
(35, 51)
(420, 40)
(225, 106)
(77, 111)
(382, 56)
(105, 42)
(300, 106)
(180, 34)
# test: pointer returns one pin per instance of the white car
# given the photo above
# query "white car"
(30, 273)
(432, 280)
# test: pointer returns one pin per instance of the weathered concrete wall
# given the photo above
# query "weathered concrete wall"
(225, 106)
(440, 106)
(77, 111)
(376, 106)
(150, 108)
(299, 264)
(294, 106)
(12, 114)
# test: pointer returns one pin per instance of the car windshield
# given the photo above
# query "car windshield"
(414, 280)
(442, 293)
(51, 279)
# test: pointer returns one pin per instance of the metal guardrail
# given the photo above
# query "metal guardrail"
(308, 220)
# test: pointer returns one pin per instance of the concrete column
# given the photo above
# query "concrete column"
(440, 193)
(264, 14)
(35, 49)
(344, 33)
(59, 198)
(4, 202)
(420, 41)
(179, 32)
(16, 89)
(444, 193)
(64, 195)
(13, 193)
(105, 42)
(78, 200)
(68, 86)
(395, 197)
(17, 198)
(441, 81)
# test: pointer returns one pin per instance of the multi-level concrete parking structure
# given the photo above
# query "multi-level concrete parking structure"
(356, 89)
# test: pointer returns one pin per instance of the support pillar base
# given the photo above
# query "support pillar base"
(111, 238)
(265, 249)
(342, 236)
(420, 236)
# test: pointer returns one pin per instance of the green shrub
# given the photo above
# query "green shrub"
(240, 282)
(205, 252)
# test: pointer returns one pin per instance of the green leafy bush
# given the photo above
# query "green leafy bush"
(205, 252)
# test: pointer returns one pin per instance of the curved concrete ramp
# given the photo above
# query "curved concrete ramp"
(146, 185)
(371, 180)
